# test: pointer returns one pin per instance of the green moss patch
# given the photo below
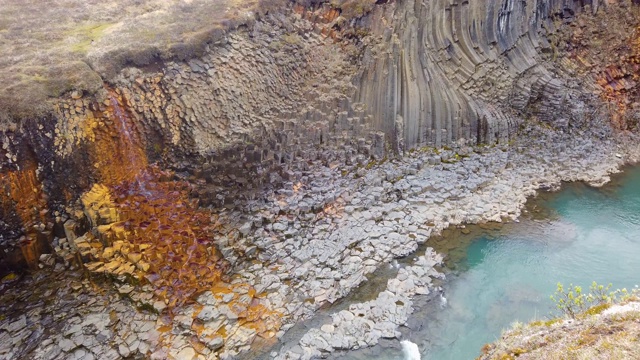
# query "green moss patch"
(85, 35)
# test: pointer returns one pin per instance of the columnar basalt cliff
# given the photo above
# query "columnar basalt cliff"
(153, 163)
(312, 83)
(444, 70)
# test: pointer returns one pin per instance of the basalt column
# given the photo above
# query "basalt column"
(443, 70)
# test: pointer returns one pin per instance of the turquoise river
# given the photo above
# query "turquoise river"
(504, 274)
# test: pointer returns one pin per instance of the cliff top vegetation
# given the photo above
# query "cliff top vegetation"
(596, 325)
(53, 47)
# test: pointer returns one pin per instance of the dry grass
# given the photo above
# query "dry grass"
(49, 48)
(598, 334)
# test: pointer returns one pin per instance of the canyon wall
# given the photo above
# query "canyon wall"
(341, 84)
(448, 70)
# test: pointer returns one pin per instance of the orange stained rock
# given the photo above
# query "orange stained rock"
(30, 251)
(175, 237)
(606, 48)
(197, 345)
(619, 81)
(333, 209)
(21, 191)
(298, 9)
(221, 288)
(118, 151)
(154, 223)
(331, 15)
(266, 325)
(164, 328)
(254, 312)
(197, 326)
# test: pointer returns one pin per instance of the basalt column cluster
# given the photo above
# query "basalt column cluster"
(440, 71)
(340, 85)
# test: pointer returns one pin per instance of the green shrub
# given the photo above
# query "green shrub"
(572, 301)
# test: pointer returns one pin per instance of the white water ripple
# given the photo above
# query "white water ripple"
(410, 350)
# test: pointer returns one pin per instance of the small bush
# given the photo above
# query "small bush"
(572, 301)
(595, 310)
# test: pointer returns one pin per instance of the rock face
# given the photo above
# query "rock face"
(445, 70)
(342, 83)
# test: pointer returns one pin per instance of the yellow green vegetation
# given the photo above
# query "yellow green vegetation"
(9, 277)
(573, 302)
(373, 163)
(598, 324)
(454, 159)
(547, 323)
(551, 322)
(595, 310)
(85, 34)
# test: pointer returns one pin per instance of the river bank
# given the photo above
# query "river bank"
(501, 276)
(523, 187)
(305, 260)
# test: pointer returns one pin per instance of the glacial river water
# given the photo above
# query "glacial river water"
(506, 274)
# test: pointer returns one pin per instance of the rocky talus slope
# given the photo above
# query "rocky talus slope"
(210, 182)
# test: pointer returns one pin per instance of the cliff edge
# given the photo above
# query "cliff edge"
(604, 332)
(69, 45)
